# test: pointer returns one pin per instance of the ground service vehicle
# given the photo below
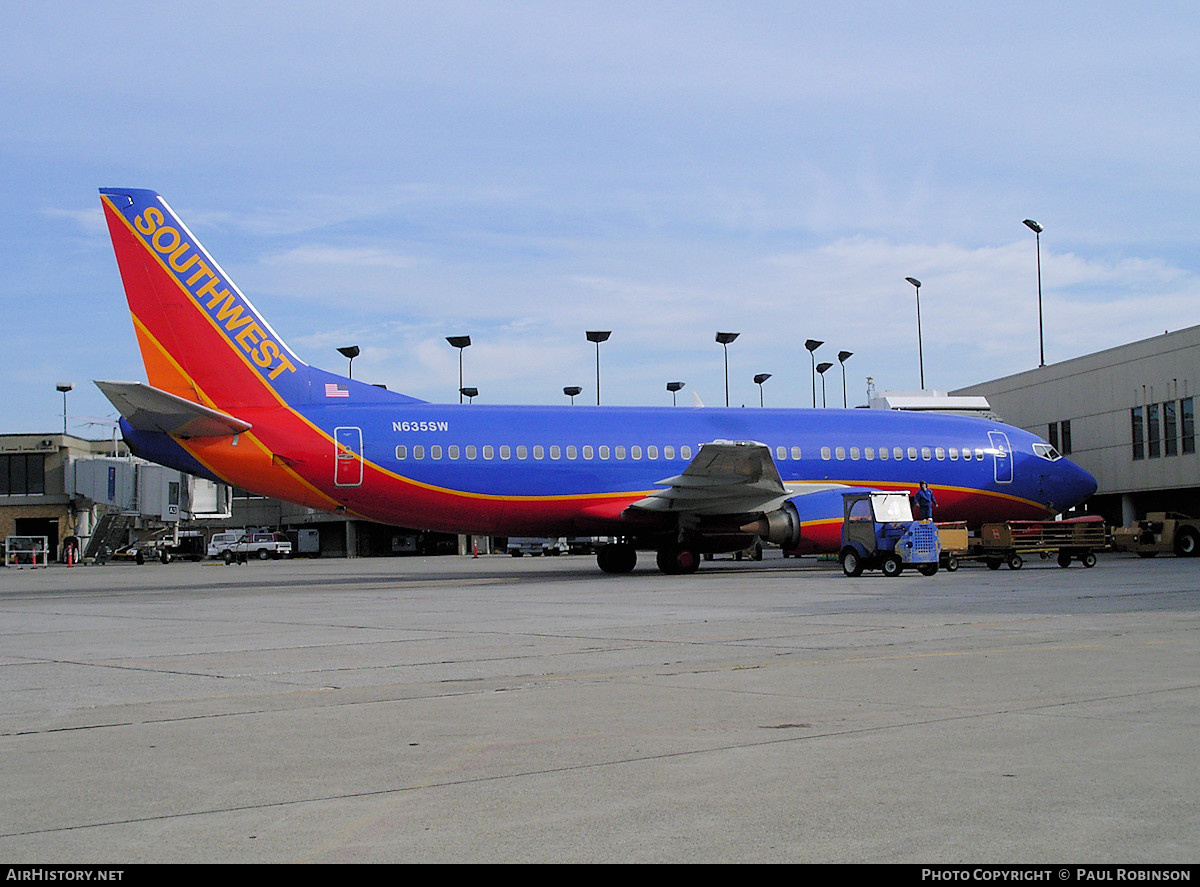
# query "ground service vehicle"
(537, 546)
(1077, 538)
(259, 545)
(1160, 531)
(879, 533)
(220, 542)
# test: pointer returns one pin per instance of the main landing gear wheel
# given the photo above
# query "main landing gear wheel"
(619, 557)
(678, 561)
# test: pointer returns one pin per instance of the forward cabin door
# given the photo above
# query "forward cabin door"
(1002, 463)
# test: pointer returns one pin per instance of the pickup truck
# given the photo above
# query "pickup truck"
(259, 545)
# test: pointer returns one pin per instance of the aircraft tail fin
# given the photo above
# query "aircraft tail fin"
(201, 339)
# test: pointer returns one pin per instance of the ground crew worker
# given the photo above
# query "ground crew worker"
(925, 501)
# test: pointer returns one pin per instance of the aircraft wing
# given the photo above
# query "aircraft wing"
(726, 478)
(151, 409)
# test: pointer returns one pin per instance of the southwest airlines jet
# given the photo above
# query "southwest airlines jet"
(227, 399)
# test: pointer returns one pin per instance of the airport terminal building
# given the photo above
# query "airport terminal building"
(1126, 414)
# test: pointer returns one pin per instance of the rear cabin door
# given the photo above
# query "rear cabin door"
(348, 466)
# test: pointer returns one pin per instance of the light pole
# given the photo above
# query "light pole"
(598, 336)
(570, 391)
(64, 387)
(920, 349)
(758, 380)
(1037, 234)
(821, 368)
(674, 387)
(842, 358)
(812, 345)
(724, 339)
(459, 342)
(350, 352)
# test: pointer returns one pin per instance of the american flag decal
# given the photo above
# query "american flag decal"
(334, 389)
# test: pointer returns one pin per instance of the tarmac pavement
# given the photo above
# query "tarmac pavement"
(535, 710)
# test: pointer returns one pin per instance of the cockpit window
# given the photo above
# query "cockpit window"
(1046, 451)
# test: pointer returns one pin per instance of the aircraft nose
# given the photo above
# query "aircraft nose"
(1080, 484)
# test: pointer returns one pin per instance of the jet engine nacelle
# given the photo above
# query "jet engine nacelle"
(781, 526)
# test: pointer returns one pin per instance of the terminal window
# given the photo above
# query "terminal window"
(23, 474)
(1153, 447)
(1137, 429)
(1170, 433)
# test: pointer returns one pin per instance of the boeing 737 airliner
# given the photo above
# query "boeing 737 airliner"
(227, 399)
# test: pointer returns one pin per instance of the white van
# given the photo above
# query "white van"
(220, 542)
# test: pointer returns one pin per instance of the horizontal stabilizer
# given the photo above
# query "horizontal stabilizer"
(150, 409)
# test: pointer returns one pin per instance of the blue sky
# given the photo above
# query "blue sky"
(388, 174)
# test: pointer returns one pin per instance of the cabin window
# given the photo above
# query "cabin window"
(635, 452)
(605, 452)
(854, 454)
(826, 453)
(912, 454)
(402, 452)
(418, 451)
(869, 453)
(452, 451)
(860, 510)
(652, 452)
(840, 452)
(471, 451)
(522, 451)
(489, 452)
(883, 454)
(435, 452)
(953, 454)
(572, 452)
(979, 454)
(539, 452)
(588, 452)
(505, 451)
(898, 454)
(781, 453)
(555, 452)
(685, 452)
(668, 452)
(796, 453)
(939, 453)
(620, 451)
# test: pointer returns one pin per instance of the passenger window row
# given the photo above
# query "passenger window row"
(556, 452)
(901, 454)
(539, 453)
